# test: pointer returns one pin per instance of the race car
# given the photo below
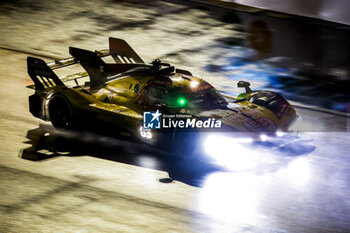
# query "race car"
(154, 103)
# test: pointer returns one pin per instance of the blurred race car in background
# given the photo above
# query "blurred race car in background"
(114, 98)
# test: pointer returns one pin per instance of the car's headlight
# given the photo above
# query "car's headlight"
(230, 151)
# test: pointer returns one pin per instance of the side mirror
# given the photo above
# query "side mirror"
(245, 85)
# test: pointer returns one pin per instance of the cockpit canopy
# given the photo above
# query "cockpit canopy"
(196, 94)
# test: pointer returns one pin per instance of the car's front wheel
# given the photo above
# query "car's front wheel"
(185, 143)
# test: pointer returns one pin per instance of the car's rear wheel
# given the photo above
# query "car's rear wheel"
(60, 112)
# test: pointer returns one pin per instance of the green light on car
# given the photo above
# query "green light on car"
(181, 101)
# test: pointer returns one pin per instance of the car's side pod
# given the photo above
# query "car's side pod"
(41, 74)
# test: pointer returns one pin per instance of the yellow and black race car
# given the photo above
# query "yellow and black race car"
(156, 104)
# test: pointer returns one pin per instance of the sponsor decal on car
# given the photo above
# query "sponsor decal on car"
(259, 123)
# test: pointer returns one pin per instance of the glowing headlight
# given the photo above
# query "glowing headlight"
(222, 144)
(194, 84)
(279, 133)
(263, 137)
(231, 152)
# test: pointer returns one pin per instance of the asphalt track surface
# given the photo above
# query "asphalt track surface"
(55, 181)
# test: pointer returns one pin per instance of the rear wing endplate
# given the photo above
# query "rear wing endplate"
(41, 74)
(122, 52)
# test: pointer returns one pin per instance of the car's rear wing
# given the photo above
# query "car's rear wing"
(71, 60)
(119, 49)
(42, 73)
(124, 56)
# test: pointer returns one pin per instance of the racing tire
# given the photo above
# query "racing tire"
(60, 112)
(185, 143)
